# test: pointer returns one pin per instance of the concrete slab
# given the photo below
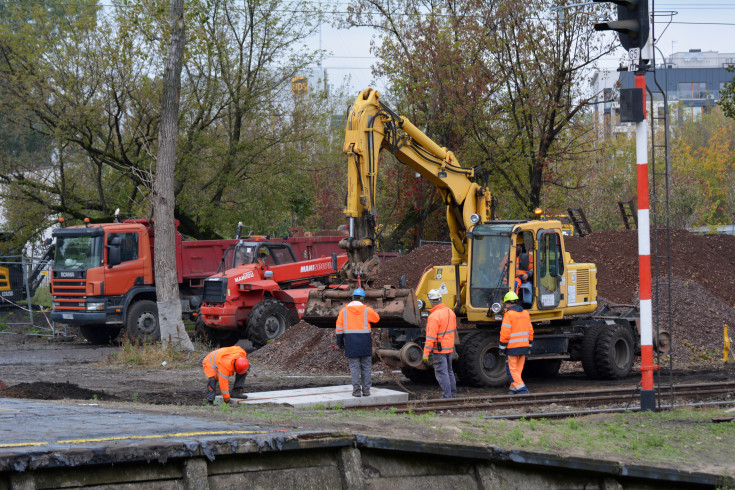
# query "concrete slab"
(327, 396)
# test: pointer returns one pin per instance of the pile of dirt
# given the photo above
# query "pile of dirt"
(413, 265)
(54, 391)
(306, 349)
(702, 295)
(708, 260)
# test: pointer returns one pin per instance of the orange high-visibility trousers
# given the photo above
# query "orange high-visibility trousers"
(514, 365)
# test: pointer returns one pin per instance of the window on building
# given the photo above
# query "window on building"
(693, 113)
(693, 90)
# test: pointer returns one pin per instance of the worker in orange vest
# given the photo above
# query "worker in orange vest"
(355, 335)
(440, 329)
(516, 340)
(524, 268)
(219, 365)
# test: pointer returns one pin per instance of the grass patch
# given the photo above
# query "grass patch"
(135, 354)
(676, 436)
(42, 297)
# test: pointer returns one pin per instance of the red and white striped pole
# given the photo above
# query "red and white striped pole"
(648, 396)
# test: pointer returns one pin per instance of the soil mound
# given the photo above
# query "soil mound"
(414, 264)
(706, 259)
(702, 295)
(303, 348)
(53, 391)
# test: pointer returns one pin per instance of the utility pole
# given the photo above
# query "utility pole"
(632, 26)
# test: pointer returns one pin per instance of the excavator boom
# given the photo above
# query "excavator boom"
(373, 127)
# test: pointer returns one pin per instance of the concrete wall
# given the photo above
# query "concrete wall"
(360, 463)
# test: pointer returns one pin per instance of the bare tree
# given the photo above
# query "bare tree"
(167, 287)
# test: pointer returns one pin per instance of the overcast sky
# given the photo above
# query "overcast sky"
(705, 26)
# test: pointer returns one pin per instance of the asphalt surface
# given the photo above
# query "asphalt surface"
(31, 425)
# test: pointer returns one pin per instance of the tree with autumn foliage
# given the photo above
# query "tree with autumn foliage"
(703, 170)
(499, 83)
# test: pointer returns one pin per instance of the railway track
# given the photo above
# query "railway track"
(589, 401)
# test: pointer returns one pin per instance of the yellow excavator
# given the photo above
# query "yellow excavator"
(560, 295)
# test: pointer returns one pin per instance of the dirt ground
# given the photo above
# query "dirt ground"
(68, 368)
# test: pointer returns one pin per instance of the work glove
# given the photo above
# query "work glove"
(501, 350)
(425, 359)
(530, 346)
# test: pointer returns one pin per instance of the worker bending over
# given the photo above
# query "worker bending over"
(516, 339)
(219, 365)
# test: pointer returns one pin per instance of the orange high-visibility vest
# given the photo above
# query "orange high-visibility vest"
(220, 364)
(440, 328)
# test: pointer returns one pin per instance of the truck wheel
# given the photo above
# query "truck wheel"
(480, 364)
(615, 352)
(99, 334)
(589, 342)
(267, 321)
(215, 336)
(419, 376)
(143, 324)
(542, 368)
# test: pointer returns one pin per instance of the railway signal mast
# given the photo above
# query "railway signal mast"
(633, 28)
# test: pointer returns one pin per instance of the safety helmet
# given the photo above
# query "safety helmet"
(359, 292)
(510, 296)
(434, 296)
(263, 251)
(242, 365)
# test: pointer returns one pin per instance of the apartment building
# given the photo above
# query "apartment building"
(691, 80)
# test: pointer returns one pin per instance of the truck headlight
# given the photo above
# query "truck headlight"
(95, 306)
(496, 307)
(421, 304)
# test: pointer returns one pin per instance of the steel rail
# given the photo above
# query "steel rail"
(573, 398)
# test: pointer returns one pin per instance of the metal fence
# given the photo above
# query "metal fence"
(19, 297)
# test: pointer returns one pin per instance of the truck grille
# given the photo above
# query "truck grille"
(215, 290)
(70, 293)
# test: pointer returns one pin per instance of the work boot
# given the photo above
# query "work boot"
(365, 392)
(512, 391)
(242, 396)
(522, 390)
(357, 392)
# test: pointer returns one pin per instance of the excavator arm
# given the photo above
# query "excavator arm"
(373, 127)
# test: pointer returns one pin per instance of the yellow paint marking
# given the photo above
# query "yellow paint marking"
(23, 444)
(157, 436)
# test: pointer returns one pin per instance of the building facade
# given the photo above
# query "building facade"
(691, 80)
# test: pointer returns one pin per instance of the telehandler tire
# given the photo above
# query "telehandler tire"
(215, 336)
(99, 334)
(479, 363)
(615, 352)
(267, 321)
(143, 324)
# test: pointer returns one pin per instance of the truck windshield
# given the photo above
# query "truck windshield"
(489, 271)
(81, 253)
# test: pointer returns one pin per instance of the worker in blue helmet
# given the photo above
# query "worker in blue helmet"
(355, 336)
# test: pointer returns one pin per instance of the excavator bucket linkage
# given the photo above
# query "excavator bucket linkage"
(397, 307)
